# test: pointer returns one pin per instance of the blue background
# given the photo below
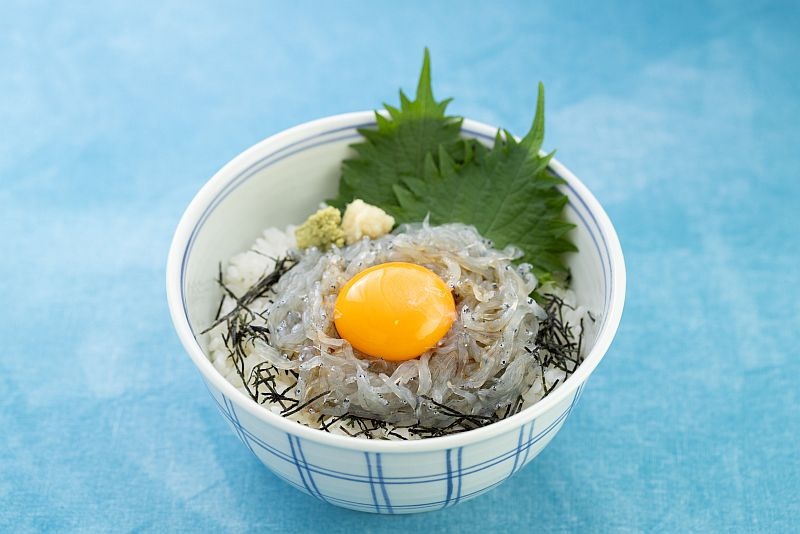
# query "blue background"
(681, 117)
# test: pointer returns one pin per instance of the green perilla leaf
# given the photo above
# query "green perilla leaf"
(416, 165)
(398, 147)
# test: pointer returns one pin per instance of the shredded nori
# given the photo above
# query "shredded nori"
(556, 342)
(259, 289)
(557, 345)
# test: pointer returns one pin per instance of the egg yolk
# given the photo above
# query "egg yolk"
(395, 311)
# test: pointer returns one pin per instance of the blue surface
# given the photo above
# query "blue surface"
(682, 118)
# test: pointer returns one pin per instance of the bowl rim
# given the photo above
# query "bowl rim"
(242, 161)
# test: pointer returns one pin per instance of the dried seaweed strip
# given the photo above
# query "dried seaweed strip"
(259, 289)
(556, 342)
(296, 409)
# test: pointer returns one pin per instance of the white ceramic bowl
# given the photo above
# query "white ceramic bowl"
(280, 181)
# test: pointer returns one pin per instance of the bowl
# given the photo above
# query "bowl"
(280, 181)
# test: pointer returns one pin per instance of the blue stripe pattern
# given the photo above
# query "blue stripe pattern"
(382, 482)
(397, 480)
(449, 478)
(417, 507)
(377, 482)
(299, 468)
(454, 481)
(234, 418)
(310, 476)
(386, 506)
(533, 440)
(459, 475)
(519, 448)
(372, 484)
(528, 449)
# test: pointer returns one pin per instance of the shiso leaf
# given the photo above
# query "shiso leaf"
(507, 193)
(398, 148)
(415, 164)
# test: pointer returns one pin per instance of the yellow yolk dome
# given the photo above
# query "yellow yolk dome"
(395, 311)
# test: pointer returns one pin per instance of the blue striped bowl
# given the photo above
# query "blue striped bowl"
(280, 181)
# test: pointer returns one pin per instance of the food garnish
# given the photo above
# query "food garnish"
(416, 165)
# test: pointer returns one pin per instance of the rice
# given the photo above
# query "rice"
(487, 366)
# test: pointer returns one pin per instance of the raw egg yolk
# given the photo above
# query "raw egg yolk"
(395, 311)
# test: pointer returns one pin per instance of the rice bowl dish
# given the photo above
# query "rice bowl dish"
(222, 258)
(387, 314)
